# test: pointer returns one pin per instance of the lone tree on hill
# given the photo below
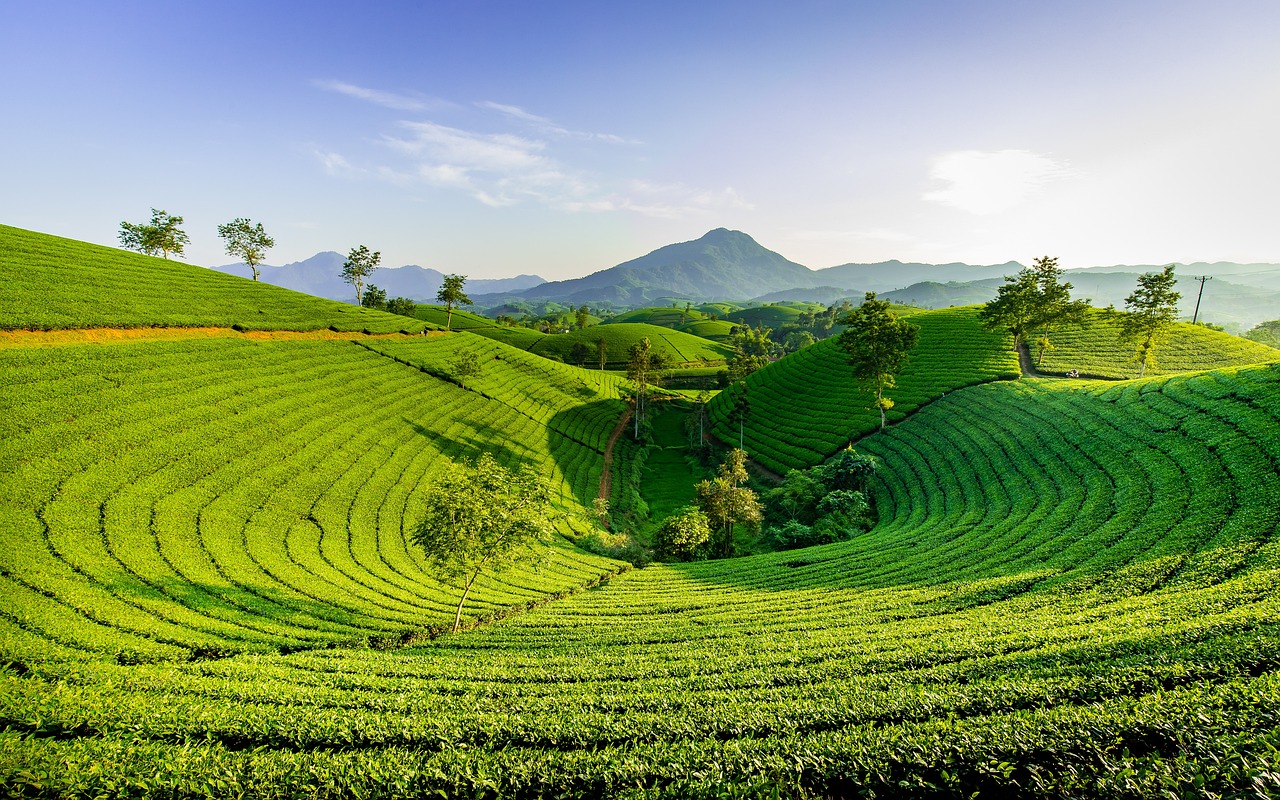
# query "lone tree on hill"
(483, 518)
(727, 502)
(878, 344)
(1034, 299)
(163, 235)
(359, 265)
(246, 241)
(451, 294)
(1152, 310)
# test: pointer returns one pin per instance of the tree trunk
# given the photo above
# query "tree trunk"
(457, 618)
(880, 405)
(448, 320)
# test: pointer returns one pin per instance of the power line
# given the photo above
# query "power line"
(1202, 279)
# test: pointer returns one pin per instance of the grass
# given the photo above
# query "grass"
(50, 283)
(807, 405)
(664, 317)
(1096, 350)
(717, 330)
(1071, 592)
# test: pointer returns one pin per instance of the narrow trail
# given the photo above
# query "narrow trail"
(606, 476)
(1028, 366)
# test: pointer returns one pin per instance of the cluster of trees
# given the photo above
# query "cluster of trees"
(706, 529)
(824, 504)
(645, 369)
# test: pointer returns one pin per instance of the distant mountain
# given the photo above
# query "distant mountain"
(321, 275)
(885, 276)
(723, 264)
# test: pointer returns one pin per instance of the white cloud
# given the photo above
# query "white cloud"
(990, 182)
(546, 126)
(399, 102)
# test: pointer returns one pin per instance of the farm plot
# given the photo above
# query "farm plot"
(807, 405)
(1095, 350)
(678, 347)
(168, 499)
(82, 285)
(1071, 592)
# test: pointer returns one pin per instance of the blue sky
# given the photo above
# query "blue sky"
(493, 138)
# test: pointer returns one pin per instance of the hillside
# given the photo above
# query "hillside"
(807, 405)
(676, 346)
(47, 282)
(666, 317)
(1072, 588)
(1095, 350)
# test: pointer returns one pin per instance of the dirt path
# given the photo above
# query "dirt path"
(606, 477)
(1028, 366)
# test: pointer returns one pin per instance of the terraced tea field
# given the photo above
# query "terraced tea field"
(1096, 350)
(47, 283)
(807, 405)
(1071, 592)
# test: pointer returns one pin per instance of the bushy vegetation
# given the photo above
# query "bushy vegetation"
(808, 405)
(1097, 350)
(47, 283)
(1071, 593)
(1267, 333)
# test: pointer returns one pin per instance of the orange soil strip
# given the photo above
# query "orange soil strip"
(62, 338)
(606, 482)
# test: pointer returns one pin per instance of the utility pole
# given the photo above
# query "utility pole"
(1202, 279)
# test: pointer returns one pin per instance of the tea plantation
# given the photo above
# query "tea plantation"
(1071, 590)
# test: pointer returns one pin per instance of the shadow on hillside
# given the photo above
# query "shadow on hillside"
(480, 439)
(572, 438)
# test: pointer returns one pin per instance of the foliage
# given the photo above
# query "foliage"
(1267, 333)
(1151, 311)
(374, 297)
(464, 365)
(246, 241)
(684, 535)
(1034, 299)
(402, 306)
(848, 469)
(90, 286)
(162, 236)
(579, 353)
(796, 498)
(360, 264)
(451, 293)
(645, 368)
(482, 518)
(728, 503)
(878, 343)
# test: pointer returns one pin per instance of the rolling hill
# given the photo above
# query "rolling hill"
(1071, 589)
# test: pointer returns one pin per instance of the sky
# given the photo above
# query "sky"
(560, 138)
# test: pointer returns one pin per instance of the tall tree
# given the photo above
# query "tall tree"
(1013, 309)
(584, 316)
(1054, 306)
(1151, 311)
(246, 241)
(451, 294)
(727, 502)
(602, 352)
(644, 369)
(878, 343)
(374, 297)
(483, 518)
(579, 353)
(359, 265)
(163, 235)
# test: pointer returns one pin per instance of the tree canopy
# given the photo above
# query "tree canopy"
(878, 343)
(359, 265)
(162, 236)
(1151, 311)
(727, 502)
(246, 241)
(482, 517)
(645, 367)
(1035, 299)
(451, 294)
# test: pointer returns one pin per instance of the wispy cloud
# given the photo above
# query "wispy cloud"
(392, 100)
(991, 182)
(546, 126)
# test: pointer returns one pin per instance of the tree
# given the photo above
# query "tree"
(1151, 311)
(878, 344)
(644, 369)
(246, 241)
(1013, 307)
(482, 518)
(465, 364)
(579, 353)
(163, 235)
(402, 306)
(451, 294)
(1267, 333)
(740, 410)
(374, 298)
(683, 535)
(359, 265)
(602, 352)
(584, 317)
(727, 502)
(1053, 303)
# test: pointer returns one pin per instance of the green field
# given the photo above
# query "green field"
(807, 405)
(1071, 593)
(48, 283)
(462, 319)
(1071, 589)
(1096, 351)
(717, 330)
(665, 317)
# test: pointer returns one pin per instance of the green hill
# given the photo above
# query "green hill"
(461, 320)
(1095, 350)
(679, 348)
(772, 316)
(807, 405)
(1071, 592)
(48, 283)
(717, 330)
(664, 317)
